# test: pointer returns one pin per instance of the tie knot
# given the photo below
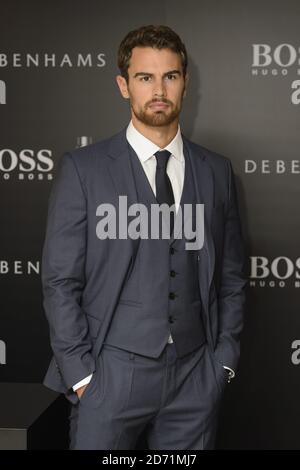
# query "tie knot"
(162, 157)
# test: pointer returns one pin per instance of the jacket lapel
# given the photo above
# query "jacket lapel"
(119, 167)
(204, 187)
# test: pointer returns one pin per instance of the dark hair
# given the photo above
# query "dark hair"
(158, 37)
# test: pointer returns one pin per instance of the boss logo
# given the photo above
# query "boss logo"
(279, 271)
(27, 163)
(283, 55)
(281, 267)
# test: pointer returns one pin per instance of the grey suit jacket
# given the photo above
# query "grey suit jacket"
(82, 276)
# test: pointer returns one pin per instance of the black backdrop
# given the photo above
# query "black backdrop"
(57, 91)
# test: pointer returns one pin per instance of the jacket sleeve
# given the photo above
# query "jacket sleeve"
(63, 274)
(231, 297)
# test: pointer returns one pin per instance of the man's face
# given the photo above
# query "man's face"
(156, 85)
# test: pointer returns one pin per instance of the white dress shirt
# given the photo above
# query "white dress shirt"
(145, 150)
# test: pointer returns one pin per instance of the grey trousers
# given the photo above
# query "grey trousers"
(173, 400)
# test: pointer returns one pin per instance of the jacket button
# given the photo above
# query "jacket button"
(172, 250)
(172, 273)
(171, 319)
(172, 295)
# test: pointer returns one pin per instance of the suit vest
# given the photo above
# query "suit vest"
(160, 294)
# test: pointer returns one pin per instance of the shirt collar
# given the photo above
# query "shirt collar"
(145, 148)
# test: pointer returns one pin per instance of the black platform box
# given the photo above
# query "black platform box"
(32, 417)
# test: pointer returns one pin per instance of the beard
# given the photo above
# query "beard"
(159, 118)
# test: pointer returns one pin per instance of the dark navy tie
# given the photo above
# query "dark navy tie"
(164, 192)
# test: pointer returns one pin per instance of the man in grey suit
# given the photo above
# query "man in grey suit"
(144, 331)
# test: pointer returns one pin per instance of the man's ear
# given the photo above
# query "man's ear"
(122, 84)
(186, 80)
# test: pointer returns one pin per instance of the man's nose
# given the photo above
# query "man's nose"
(159, 89)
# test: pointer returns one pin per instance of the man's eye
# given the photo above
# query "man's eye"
(171, 77)
(145, 79)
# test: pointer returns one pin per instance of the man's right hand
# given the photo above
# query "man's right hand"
(81, 390)
(82, 384)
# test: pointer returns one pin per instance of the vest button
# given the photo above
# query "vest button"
(172, 273)
(172, 295)
(171, 319)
